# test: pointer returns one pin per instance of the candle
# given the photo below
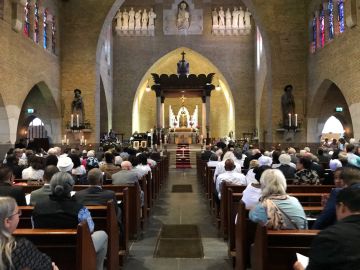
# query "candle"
(77, 120)
(65, 138)
(67, 141)
(289, 119)
(72, 120)
(296, 123)
(85, 142)
(62, 142)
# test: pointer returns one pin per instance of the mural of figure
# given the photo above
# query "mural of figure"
(138, 20)
(131, 19)
(241, 18)
(152, 17)
(183, 17)
(287, 104)
(215, 18)
(144, 20)
(119, 20)
(228, 19)
(125, 17)
(247, 19)
(235, 18)
(221, 17)
(77, 107)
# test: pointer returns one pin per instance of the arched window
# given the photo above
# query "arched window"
(27, 18)
(341, 17)
(36, 22)
(333, 126)
(45, 28)
(322, 25)
(36, 129)
(331, 19)
(314, 33)
(53, 33)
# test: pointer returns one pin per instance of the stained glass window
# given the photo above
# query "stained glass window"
(27, 19)
(45, 15)
(322, 26)
(36, 22)
(314, 33)
(331, 19)
(53, 34)
(341, 17)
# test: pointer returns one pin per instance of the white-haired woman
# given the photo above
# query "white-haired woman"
(18, 253)
(276, 209)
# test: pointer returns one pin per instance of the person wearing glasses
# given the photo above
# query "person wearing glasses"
(18, 253)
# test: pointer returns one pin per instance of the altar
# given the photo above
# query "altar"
(183, 136)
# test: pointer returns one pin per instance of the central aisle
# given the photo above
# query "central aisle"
(180, 208)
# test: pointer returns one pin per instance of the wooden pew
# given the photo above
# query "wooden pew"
(104, 218)
(275, 250)
(70, 249)
(309, 188)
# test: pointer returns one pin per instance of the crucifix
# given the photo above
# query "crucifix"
(183, 99)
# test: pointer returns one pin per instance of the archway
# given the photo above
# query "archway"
(40, 103)
(328, 101)
(222, 104)
(5, 128)
(104, 124)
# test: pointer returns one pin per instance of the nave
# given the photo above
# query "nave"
(180, 208)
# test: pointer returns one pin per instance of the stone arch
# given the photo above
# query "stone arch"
(144, 117)
(104, 124)
(5, 140)
(41, 100)
(323, 106)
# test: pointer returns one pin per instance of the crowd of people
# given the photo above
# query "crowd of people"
(55, 203)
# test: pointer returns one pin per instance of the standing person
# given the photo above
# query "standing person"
(18, 253)
(287, 104)
(338, 247)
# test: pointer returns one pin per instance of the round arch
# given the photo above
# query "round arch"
(144, 117)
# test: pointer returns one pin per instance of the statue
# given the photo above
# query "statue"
(138, 20)
(118, 20)
(125, 17)
(287, 105)
(221, 17)
(228, 18)
(235, 18)
(152, 17)
(247, 19)
(215, 18)
(183, 17)
(131, 19)
(241, 18)
(144, 20)
(77, 109)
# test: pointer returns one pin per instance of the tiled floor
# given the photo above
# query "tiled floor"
(180, 208)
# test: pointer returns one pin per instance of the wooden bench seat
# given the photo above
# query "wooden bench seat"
(70, 249)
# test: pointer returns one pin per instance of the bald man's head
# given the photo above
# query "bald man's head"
(126, 165)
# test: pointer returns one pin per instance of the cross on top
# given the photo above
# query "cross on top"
(182, 99)
(183, 55)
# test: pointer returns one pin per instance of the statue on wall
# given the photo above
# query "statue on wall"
(287, 105)
(241, 14)
(215, 18)
(152, 17)
(125, 17)
(235, 18)
(228, 18)
(77, 107)
(221, 17)
(183, 17)
(119, 20)
(247, 19)
(144, 20)
(138, 20)
(131, 19)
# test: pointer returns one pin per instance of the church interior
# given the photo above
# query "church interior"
(185, 74)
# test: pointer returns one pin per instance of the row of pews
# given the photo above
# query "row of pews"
(250, 244)
(73, 248)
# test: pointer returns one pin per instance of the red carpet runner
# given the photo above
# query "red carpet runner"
(183, 156)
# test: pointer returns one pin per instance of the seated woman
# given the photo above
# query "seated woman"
(78, 171)
(304, 174)
(18, 253)
(62, 211)
(35, 171)
(277, 210)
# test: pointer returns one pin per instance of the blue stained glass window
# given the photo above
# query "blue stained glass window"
(36, 22)
(331, 19)
(45, 15)
(314, 33)
(27, 18)
(53, 34)
(341, 15)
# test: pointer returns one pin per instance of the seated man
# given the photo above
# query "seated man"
(45, 190)
(338, 247)
(109, 167)
(7, 189)
(229, 176)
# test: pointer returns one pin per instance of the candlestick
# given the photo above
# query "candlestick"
(77, 120)
(296, 122)
(72, 120)
(289, 119)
